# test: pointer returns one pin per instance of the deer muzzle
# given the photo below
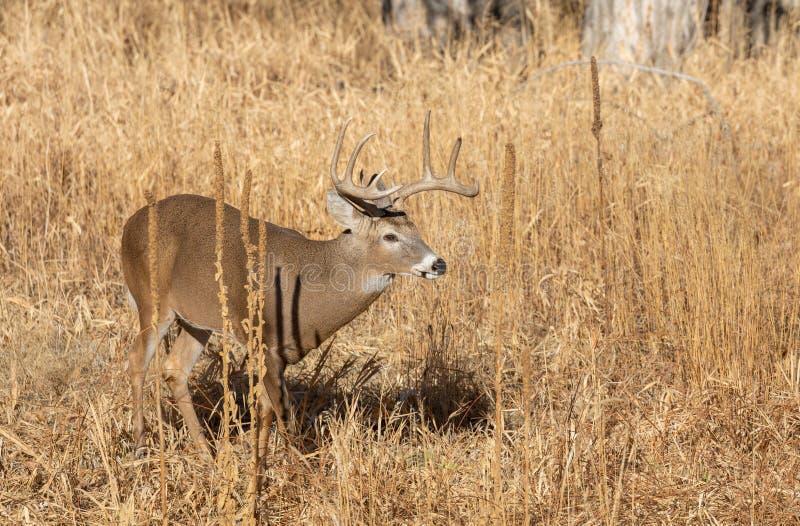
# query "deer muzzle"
(431, 267)
(439, 267)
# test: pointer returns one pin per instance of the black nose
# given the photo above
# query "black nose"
(439, 266)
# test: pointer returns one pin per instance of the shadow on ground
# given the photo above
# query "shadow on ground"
(437, 392)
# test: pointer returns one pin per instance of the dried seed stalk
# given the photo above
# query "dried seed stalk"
(249, 326)
(262, 294)
(259, 351)
(225, 502)
(597, 126)
(152, 260)
(508, 235)
(505, 253)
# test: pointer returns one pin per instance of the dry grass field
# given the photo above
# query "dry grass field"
(661, 326)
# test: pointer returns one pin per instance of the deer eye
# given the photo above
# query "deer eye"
(390, 237)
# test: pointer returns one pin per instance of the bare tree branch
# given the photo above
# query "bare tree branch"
(712, 103)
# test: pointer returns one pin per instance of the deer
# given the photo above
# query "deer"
(307, 300)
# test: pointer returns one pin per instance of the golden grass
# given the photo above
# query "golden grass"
(683, 408)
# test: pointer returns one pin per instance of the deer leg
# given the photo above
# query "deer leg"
(264, 418)
(276, 386)
(274, 400)
(177, 368)
(139, 357)
(288, 410)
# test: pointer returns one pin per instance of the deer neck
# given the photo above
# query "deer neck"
(328, 285)
(365, 282)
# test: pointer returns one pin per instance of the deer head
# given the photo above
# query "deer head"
(374, 215)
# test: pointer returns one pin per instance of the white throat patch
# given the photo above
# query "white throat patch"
(377, 283)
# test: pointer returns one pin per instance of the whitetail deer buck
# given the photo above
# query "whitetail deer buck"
(307, 300)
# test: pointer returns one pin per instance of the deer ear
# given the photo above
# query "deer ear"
(344, 213)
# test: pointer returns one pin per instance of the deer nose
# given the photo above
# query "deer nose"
(439, 267)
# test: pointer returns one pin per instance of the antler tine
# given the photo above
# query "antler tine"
(451, 166)
(351, 163)
(336, 150)
(427, 173)
(429, 181)
(468, 191)
(345, 185)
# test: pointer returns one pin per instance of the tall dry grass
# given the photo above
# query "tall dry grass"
(682, 408)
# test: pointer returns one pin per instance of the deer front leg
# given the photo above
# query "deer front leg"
(274, 401)
(275, 384)
(264, 420)
(177, 368)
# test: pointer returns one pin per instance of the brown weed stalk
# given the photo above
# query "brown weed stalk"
(250, 325)
(225, 502)
(597, 126)
(505, 251)
(152, 260)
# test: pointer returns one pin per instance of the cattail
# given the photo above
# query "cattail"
(507, 209)
(508, 235)
(597, 126)
(152, 253)
(225, 502)
(504, 253)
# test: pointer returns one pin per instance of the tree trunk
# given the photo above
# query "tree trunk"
(655, 32)
(764, 18)
(449, 18)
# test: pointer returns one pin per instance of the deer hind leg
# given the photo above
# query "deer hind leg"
(187, 349)
(141, 353)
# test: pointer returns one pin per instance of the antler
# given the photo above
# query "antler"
(373, 191)
(429, 181)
